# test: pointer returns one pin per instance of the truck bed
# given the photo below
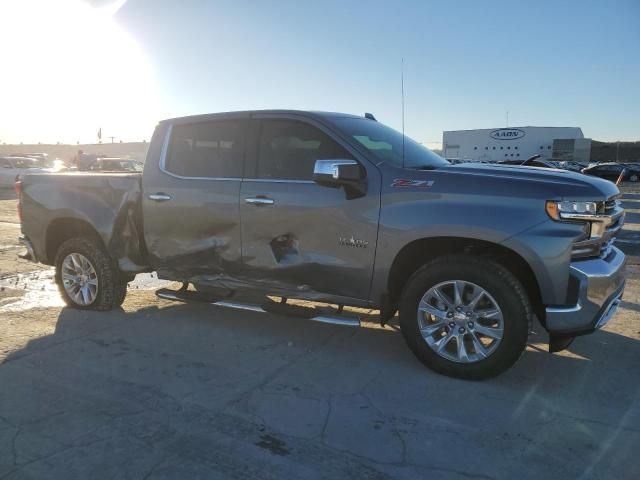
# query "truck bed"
(53, 204)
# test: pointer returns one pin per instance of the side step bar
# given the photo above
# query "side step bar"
(269, 307)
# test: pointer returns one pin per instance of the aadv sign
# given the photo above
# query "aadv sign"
(507, 134)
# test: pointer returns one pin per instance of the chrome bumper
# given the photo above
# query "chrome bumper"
(601, 285)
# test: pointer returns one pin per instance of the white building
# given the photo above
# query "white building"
(519, 143)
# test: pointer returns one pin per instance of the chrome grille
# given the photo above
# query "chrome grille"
(604, 228)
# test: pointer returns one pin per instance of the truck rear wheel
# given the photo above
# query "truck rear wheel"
(465, 317)
(87, 277)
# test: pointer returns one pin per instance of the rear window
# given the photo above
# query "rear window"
(206, 150)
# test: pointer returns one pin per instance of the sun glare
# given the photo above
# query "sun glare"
(69, 70)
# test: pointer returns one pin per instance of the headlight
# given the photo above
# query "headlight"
(600, 221)
(569, 210)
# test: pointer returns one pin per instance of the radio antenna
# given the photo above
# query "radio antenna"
(402, 91)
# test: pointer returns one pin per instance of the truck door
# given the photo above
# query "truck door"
(299, 235)
(190, 200)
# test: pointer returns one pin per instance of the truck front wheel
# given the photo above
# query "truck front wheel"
(465, 316)
(87, 277)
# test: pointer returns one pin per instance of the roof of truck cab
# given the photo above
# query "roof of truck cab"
(250, 113)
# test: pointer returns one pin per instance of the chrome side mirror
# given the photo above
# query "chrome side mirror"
(335, 171)
(341, 173)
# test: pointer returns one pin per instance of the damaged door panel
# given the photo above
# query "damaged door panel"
(302, 237)
(190, 204)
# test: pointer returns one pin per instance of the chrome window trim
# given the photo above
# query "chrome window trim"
(163, 158)
(277, 180)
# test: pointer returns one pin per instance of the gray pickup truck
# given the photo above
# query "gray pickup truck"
(342, 210)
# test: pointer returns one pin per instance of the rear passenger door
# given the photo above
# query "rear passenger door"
(190, 201)
(299, 236)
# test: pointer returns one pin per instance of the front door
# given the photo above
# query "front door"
(190, 201)
(298, 236)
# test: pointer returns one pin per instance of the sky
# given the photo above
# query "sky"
(74, 66)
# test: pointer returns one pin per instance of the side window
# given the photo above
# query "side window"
(4, 163)
(207, 149)
(288, 150)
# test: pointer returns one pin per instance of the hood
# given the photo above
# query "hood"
(561, 183)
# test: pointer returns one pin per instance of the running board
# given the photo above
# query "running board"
(270, 307)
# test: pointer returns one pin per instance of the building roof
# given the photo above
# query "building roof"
(528, 127)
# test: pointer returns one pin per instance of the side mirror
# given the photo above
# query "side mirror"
(341, 173)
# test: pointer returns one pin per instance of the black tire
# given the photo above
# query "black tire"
(507, 291)
(112, 285)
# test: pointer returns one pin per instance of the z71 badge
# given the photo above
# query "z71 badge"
(403, 182)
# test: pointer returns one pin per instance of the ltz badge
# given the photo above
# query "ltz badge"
(352, 242)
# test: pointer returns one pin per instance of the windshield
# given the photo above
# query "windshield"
(386, 144)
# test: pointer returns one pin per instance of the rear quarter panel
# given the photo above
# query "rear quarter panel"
(110, 203)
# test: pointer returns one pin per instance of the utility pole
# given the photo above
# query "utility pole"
(111, 139)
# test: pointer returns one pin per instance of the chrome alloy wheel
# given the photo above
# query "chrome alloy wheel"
(79, 279)
(460, 321)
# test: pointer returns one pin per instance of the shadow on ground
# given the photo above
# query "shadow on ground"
(190, 391)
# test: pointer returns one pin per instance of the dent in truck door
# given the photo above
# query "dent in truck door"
(190, 201)
(298, 235)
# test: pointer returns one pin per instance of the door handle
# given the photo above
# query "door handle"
(259, 201)
(159, 197)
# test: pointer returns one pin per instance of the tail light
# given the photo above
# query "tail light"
(19, 195)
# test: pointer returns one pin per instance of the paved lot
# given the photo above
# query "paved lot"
(160, 390)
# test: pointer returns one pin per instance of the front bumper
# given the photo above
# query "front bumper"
(600, 285)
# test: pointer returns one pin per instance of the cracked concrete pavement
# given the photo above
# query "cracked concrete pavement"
(159, 390)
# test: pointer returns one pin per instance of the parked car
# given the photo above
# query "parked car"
(533, 163)
(570, 165)
(611, 171)
(343, 210)
(107, 164)
(12, 167)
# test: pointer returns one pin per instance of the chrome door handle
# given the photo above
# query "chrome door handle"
(258, 201)
(159, 197)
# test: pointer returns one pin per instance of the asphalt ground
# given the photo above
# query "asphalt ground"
(160, 390)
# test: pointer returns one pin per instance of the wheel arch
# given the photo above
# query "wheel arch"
(62, 229)
(420, 251)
